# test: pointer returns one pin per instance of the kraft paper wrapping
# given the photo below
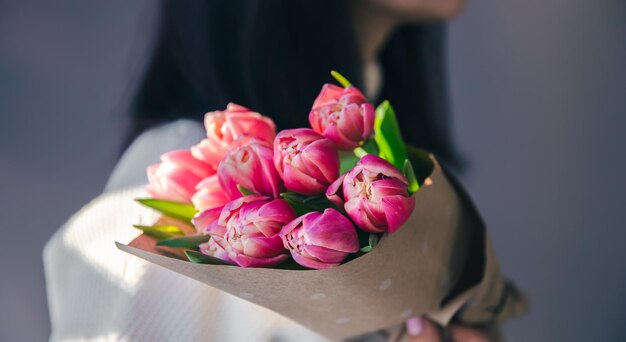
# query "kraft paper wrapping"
(440, 263)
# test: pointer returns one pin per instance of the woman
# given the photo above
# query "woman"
(271, 56)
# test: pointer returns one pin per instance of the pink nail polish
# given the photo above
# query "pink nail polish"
(415, 326)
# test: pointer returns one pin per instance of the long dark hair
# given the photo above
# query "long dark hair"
(273, 56)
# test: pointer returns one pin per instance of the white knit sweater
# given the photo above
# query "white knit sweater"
(98, 293)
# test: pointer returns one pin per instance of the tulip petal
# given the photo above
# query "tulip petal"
(387, 187)
(326, 255)
(295, 223)
(211, 248)
(234, 205)
(246, 261)
(220, 241)
(204, 199)
(377, 165)
(209, 194)
(323, 156)
(361, 215)
(250, 166)
(315, 121)
(369, 115)
(398, 209)
(351, 122)
(202, 220)
(310, 263)
(181, 182)
(278, 210)
(331, 230)
(184, 159)
(268, 180)
(355, 92)
(374, 212)
(209, 151)
(262, 247)
(333, 133)
(334, 192)
(329, 94)
(299, 182)
(228, 125)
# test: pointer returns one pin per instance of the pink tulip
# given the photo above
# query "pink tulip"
(247, 229)
(177, 176)
(320, 240)
(224, 127)
(375, 195)
(342, 115)
(307, 162)
(211, 248)
(209, 194)
(249, 164)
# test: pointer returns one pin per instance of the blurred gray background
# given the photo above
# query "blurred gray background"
(539, 98)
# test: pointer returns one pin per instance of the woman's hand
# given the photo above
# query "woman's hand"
(420, 329)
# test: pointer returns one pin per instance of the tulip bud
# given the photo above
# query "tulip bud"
(342, 115)
(374, 194)
(250, 166)
(320, 240)
(209, 194)
(307, 162)
(225, 127)
(177, 176)
(248, 227)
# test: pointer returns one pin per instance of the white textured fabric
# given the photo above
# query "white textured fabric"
(98, 293)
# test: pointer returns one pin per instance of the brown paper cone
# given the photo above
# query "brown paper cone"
(439, 263)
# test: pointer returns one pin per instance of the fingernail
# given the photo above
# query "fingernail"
(415, 326)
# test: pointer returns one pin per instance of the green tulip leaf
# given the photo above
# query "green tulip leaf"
(199, 258)
(314, 199)
(244, 191)
(388, 137)
(160, 232)
(372, 242)
(370, 147)
(298, 207)
(340, 78)
(293, 196)
(420, 162)
(296, 201)
(303, 204)
(409, 173)
(176, 210)
(347, 160)
(191, 241)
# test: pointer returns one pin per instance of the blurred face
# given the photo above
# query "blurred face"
(417, 10)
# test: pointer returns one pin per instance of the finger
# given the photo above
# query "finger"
(465, 334)
(422, 330)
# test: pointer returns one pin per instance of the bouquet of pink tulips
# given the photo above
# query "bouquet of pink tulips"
(331, 197)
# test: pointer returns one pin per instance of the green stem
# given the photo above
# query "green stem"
(360, 152)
